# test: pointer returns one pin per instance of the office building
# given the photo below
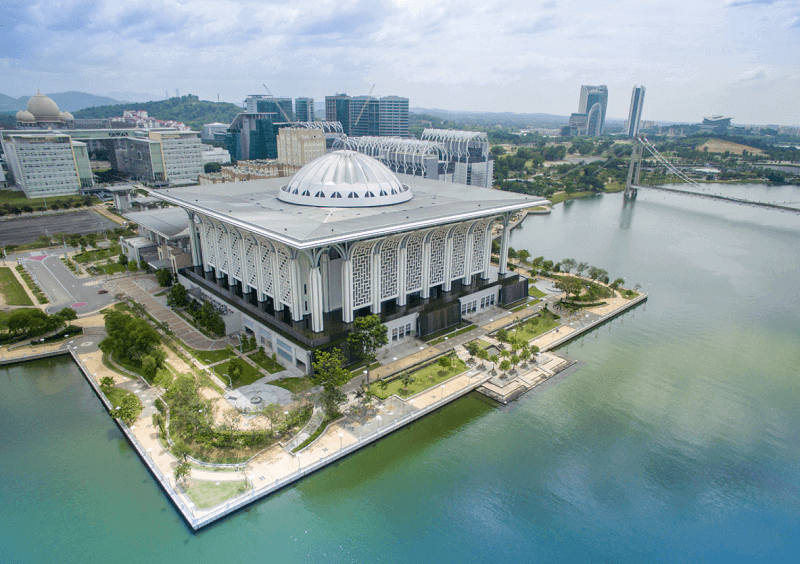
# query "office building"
(297, 147)
(415, 252)
(465, 156)
(635, 111)
(304, 109)
(337, 108)
(47, 163)
(260, 104)
(364, 116)
(593, 103)
(212, 130)
(393, 116)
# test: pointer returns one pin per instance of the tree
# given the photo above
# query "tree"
(106, 382)
(504, 366)
(472, 348)
(67, 314)
(164, 277)
(512, 254)
(494, 360)
(143, 265)
(129, 338)
(502, 335)
(123, 259)
(524, 355)
(569, 286)
(329, 372)
(212, 167)
(445, 363)
(406, 379)
(568, 264)
(127, 409)
(534, 351)
(523, 256)
(368, 335)
(514, 360)
(182, 471)
(180, 450)
(177, 296)
(483, 354)
(617, 283)
(32, 322)
(580, 267)
(497, 150)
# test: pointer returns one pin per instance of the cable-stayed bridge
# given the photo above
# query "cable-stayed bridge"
(659, 174)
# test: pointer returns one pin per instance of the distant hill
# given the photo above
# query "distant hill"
(188, 109)
(507, 119)
(67, 101)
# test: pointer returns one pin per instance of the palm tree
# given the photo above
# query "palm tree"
(534, 350)
(524, 355)
(504, 366)
(514, 361)
(494, 360)
(482, 354)
(472, 348)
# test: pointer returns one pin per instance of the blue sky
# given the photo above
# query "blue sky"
(738, 58)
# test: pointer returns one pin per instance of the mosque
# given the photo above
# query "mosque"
(294, 263)
(42, 112)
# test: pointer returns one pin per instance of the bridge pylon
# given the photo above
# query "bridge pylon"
(635, 168)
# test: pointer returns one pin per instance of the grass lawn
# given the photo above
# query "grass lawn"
(535, 292)
(209, 357)
(483, 344)
(12, 290)
(526, 332)
(112, 268)
(628, 294)
(265, 361)
(294, 385)
(100, 254)
(208, 494)
(116, 395)
(248, 375)
(14, 198)
(558, 198)
(424, 378)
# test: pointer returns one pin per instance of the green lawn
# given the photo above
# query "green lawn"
(535, 292)
(558, 198)
(424, 378)
(90, 256)
(528, 332)
(248, 375)
(208, 494)
(116, 395)
(14, 198)
(483, 344)
(112, 268)
(12, 290)
(628, 294)
(209, 357)
(265, 361)
(294, 385)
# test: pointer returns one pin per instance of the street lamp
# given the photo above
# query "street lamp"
(442, 388)
(298, 462)
(378, 417)
(340, 440)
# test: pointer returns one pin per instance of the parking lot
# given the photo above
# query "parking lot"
(26, 229)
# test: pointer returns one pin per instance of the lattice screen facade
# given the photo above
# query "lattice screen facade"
(389, 282)
(251, 260)
(480, 233)
(414, 256)
(437, 255)
(235, 254)
(222, 251)
(209, 234)
(459, 250)
(362, 274)
(267, 277)
(284, 274)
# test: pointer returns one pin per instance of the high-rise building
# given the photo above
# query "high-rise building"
(47, 163)
(635, 112)
(593, 103)
(337, 108)
(297, 147)
(304, 109)
(260, 104)
(364, 116)
(393, 116)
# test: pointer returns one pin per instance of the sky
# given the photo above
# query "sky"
(739, 58)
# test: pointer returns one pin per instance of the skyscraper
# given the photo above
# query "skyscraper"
(393, 117)
(593, 102)
(304, 109)
(260, 104)
(337, 108)
(635, 113)
(364, 118)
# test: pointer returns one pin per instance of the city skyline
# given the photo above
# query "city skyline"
(737, 58)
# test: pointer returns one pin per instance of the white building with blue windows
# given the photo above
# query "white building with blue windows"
(296, 262)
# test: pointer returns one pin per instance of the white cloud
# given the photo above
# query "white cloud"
(511, 55)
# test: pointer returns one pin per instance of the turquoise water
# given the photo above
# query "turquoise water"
(678, 439)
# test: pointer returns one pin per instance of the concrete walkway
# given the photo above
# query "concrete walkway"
(132, 287)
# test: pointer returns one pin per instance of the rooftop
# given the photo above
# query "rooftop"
(167, 222)
(254, 206)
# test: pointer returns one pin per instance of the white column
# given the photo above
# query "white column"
(426, 268)
(197, 258)
(402, 258)
(504, 245)
(315, 298)
(259, 270)
(347, 290)
(468, 246)
(297, 295)
(276, 282)
(448, 261)
(487, 251)
(375, 282)
(324, 263)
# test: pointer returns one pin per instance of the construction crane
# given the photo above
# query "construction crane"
(276, 103)
(364, 107)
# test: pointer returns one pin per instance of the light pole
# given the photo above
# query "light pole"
(378, 417)
(340, 440)
(298, 462)
(442, 395)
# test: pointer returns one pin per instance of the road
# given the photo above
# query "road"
(26, 229)
(61, 286)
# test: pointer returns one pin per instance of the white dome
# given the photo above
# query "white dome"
(25, 116)
(66, 116)
(345, 179)
(43, 108)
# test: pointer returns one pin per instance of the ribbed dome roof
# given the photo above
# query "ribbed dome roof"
(66, 116)
(345, 179)
(43, 108)
(25, 116)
